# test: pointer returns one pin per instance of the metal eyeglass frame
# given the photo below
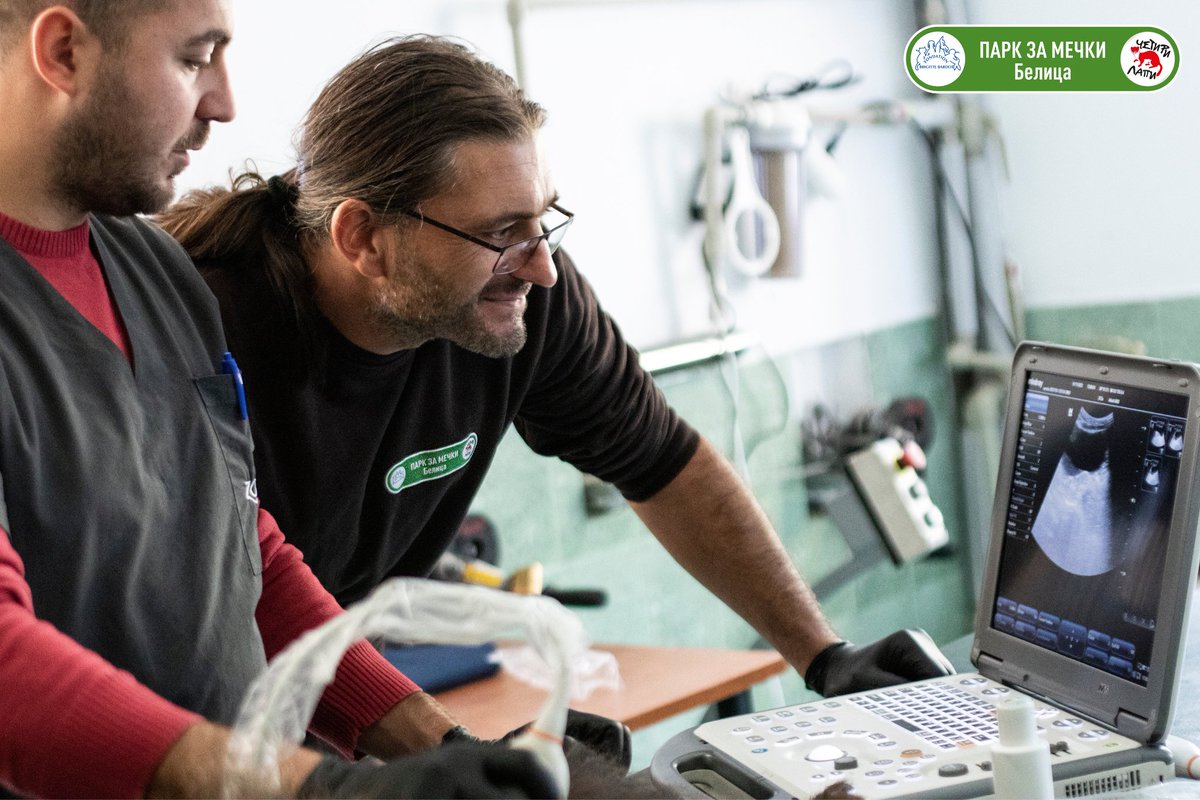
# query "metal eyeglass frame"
(527, 246)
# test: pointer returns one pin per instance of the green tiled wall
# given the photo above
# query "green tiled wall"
(537, 506)
(1163, 329)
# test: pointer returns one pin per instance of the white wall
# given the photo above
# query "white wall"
(1102, 206)
(284, 51)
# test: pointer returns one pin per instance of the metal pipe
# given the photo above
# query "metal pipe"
(691, 353)
(516, 21)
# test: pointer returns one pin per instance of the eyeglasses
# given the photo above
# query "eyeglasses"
(511, 257)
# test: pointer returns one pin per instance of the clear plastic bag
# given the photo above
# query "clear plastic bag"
(590, 670)
(279, 705)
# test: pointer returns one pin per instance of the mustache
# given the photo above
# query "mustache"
(195, 139)
(506, 285)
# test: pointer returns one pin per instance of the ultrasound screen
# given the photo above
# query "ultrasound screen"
(1089, 514)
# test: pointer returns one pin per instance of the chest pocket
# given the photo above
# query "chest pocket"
(233, 435)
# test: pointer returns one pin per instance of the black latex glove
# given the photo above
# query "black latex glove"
(907, 655)
(460, 770)
(608, 737)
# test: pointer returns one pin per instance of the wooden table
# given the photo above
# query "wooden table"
(659, 682)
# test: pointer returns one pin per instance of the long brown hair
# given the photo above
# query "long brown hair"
(385, 131)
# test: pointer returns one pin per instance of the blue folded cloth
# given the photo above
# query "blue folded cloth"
(438, 667)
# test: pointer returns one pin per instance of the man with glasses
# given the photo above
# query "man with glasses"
(395, 311)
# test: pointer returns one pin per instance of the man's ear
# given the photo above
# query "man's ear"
(359, 238)
(62, 46)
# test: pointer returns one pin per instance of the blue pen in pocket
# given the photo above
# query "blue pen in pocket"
(230, 367)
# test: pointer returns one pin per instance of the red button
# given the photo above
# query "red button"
(912, 456)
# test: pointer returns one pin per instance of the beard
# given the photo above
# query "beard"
(414, 309)
(108, 166)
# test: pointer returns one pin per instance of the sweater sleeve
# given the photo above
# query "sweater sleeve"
(366, 686)
(71, 724)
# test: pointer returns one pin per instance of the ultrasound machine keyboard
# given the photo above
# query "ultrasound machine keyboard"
(939, 713)
(906, 741)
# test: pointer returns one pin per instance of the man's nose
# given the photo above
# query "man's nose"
(539, 269)
(217, 103)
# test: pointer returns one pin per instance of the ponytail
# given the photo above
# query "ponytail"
(250, 230)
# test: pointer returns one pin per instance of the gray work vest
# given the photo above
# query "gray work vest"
(127, 488)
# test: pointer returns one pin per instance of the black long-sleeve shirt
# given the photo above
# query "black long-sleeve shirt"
(371, 462)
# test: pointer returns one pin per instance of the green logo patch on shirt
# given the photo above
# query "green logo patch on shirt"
(429, 465)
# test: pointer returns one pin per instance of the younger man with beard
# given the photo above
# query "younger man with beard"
(141, 587)
(398, 303)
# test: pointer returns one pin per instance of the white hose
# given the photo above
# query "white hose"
(1187, 757)
(279, 705)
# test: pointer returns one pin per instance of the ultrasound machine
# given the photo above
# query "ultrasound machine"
(1091, 566)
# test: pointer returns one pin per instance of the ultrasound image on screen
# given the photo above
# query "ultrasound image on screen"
(1088, 520)
(1074, 524)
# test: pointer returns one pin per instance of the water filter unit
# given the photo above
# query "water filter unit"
(779, 138)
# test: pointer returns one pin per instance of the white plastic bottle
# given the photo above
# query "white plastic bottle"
(1020, 760)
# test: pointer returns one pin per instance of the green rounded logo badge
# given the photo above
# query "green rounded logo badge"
(430, 465)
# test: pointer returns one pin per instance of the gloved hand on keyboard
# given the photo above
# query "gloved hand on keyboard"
(605, 736)
(906, 655)
(461, 770)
